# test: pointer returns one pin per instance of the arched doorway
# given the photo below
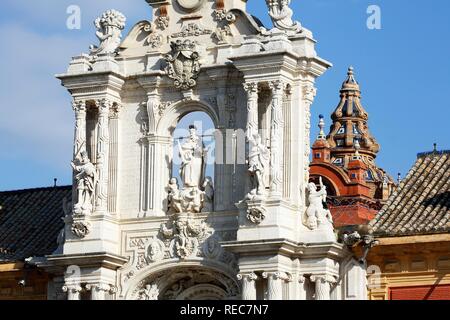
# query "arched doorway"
(187, 283)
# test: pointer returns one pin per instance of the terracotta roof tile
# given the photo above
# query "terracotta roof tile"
(421, 204)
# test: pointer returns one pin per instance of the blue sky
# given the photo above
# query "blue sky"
(403, 69)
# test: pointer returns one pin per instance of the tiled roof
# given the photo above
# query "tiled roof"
(421, 204)
(30, 221)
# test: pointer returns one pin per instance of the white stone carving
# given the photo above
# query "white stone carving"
(86, 180)
(258, 162)
(281, 15)
(184, 235)
(191, 30)
(197, 193)
(73, 291)
(222, 14)
(109, 32)
(81, 229)
(316, 214)
(323, 286)
(256, 214)
(276, 138)
(155, 250)
(222, 34)
(150, 292)
(248, 286)
(162, 22)
(183, 64)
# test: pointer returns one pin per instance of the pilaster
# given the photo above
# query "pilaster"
(248, 286)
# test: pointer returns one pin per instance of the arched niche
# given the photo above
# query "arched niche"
(186, 280)
(175, 112)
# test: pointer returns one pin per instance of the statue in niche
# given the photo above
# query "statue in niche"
(281, 15)
(109, 32)
(86, 178)
(197, 192)
(258, 160)
(193, 160)
(316, 213)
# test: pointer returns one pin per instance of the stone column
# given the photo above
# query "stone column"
(104, 107)
(276, 139)
(73, 291)
(252, 108)
(79, 107)
(309, 94)
(275, 284)
(248, 286)
(323, 286)
(301, 292)
(113, 166)
(99, 290)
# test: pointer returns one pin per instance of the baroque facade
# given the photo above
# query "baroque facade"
(257, 229)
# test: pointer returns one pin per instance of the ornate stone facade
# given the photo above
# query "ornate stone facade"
(152, 236)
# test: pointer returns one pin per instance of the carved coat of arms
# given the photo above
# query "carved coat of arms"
(183, 64)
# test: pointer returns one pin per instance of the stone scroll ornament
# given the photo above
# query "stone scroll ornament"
(109, 32)
(183, 64)
(281, 15)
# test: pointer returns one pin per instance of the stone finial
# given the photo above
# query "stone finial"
(109, 32)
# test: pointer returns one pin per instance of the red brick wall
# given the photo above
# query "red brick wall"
(439, 292)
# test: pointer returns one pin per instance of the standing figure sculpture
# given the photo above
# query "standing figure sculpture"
(258, 160)
(86, 179)
(281, 15)
(193, 160)
(208, 195)
(316, 214)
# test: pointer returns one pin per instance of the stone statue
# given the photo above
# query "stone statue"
(193, 160)
(316, 214)
(208, 195)
(86, 179)
(174, 198)
(109, 32)
(258, 160)
(281, 15)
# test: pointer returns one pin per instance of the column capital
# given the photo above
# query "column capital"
(79, 106)
(277, 276)
(277, 86)
(322, 278)
(104, 287)
(104, 105)
(309, 92)
(72, 288)
(251, 87)
(247, 276)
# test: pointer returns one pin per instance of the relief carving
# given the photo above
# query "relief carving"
(183, 64)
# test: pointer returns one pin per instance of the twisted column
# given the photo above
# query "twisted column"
(248, 286)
